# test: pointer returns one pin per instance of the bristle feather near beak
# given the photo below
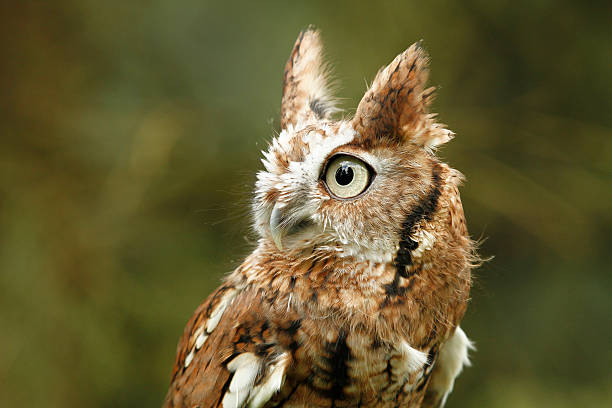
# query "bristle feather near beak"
(277, 231)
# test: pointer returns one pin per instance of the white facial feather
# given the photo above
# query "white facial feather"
(295, 186)
(296, 183)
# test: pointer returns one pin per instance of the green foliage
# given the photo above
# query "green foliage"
(130, 139)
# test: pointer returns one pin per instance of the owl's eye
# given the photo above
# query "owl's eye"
(347, 176)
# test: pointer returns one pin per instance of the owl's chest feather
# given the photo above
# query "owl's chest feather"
(367, 340)
(339, 367)
(321, 333)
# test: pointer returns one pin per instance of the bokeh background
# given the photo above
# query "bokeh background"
(130, 135)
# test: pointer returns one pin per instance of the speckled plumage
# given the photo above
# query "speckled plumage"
(345, 302)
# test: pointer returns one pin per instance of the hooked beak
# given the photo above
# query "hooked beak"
(286, 221)
(277, 230)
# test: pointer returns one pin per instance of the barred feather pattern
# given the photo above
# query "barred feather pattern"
(344, 302)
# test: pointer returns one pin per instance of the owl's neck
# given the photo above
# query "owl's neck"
(384, 298)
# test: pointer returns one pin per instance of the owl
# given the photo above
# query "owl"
(361, 274)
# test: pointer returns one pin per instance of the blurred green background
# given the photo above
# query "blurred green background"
(131, 133)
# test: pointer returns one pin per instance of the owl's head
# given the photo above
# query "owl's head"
(350, 186)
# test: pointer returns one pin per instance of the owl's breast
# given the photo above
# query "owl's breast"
(364, 334)
(346, 366)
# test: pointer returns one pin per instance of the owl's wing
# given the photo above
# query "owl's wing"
(227, 356)
(452, 357)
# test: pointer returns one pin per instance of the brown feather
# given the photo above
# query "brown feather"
(394, 109)
(357, 306)
(306, 95)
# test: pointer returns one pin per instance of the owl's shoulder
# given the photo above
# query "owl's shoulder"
(227, 355)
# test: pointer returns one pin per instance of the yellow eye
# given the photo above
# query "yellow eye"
(347, 176)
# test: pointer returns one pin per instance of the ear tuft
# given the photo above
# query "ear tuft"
(394, 108)
(306, 92)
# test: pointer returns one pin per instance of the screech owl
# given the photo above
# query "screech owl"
(361, 274)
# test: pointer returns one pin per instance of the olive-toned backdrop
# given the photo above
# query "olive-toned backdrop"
(130, 136)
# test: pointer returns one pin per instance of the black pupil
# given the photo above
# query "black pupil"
(344, 174)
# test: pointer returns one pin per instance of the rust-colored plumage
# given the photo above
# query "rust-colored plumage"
(354, 294)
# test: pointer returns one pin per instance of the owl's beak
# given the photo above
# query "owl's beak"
(277, 229)
(287, 220)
